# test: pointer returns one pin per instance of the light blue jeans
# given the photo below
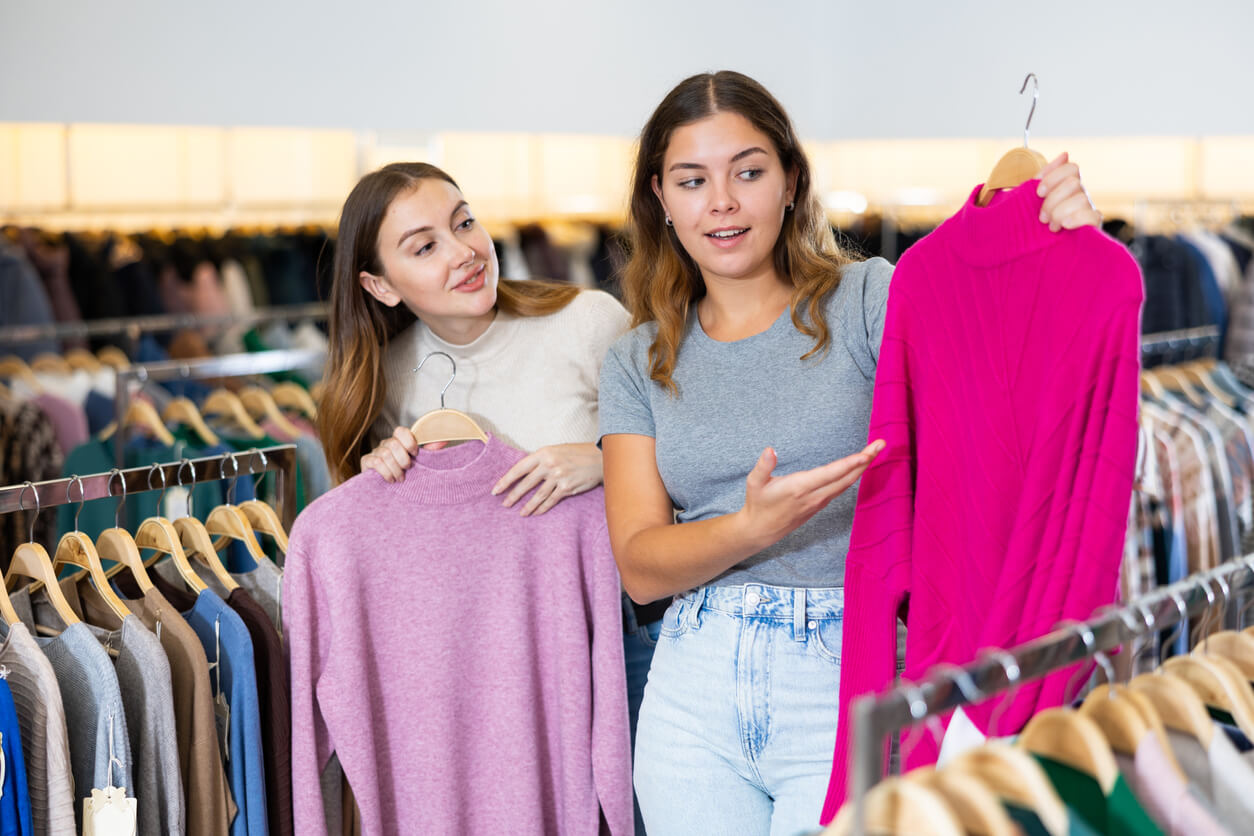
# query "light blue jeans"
(738, 723)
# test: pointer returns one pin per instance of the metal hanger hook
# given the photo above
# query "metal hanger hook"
(963, 680)
(1036, 94)
(1204, 627)
(1225, 588)
(179, 475)
(452, 376)
(234, 477)
(1129, 621)
(1182, 624)
(161, 499)
(117, 511)
(82, 495)
(1013, 673)
(30, 534)
(261, 469)
(918, 711)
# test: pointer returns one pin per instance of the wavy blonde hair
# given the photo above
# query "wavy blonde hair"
(361, 326)
(661, 282)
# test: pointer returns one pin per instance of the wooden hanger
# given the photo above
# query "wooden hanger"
(229, 521)
(1071, 738)
(141, 415)
(1013, 775)
(261, 404)
(897, 806)
(196, 543)
(1199, 375)
(227, 403)
(15, 367)
(1118, 718)
(265, 520)
(117, 545)
(159, 534)
(31, 560)
(181, 410)
(1177, 704)
(111, 355)
(1216, 686)
(1237, 648)
(978, 809)
(445, 424)
(49, 363)
(295, 397)
(77, 549)
(81, 358)
(1018, 165)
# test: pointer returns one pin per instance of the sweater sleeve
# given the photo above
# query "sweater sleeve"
(877, 569)
(611, 740)
(306, 626)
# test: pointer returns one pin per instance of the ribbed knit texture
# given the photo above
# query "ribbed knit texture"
(45, 740)
(536, 375)
(1006, 392)
(94, 715)
(147, 694)
(15, 813)
(465, 663)
(209, 812)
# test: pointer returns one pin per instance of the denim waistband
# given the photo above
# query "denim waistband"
(797, 605)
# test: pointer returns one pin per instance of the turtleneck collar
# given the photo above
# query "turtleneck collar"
(1008, 228)
(457, 474)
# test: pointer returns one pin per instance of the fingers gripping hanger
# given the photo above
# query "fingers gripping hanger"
(1018, 165)
(196, 542)
(159, 534)
(30, 560)
(76, 548)
(445, 424)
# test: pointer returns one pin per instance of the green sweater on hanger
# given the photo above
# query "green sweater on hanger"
(1117, 814)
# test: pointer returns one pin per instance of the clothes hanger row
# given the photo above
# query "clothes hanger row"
(1179, 695)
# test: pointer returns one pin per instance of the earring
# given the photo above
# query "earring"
(790, 206)
(668, 221)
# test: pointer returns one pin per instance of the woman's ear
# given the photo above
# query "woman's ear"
(793, 175)
(378, 287)
(657, 190)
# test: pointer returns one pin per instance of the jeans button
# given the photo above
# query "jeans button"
(752, 599)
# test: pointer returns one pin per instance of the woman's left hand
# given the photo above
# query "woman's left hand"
(560, 470)
(1067, 204)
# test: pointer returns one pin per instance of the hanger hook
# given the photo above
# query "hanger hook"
(234, 477)
(30, 534)
(1249, 565)
(452, 376)
(1129, 622)
(961, 678)
(117, 511)
(188, 462)
(1148, 617)
(1204, 628)
(1182, 624)
(1225, 588)
(1036, 93)
(1013, 673)
(81, 496)
(261, 469)
(161, 499)
(918, 711)
(1085, 632)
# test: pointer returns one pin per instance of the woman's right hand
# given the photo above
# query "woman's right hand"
(393, 456)
(775, 506)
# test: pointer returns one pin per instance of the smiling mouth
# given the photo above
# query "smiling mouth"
(727, 234)
(474, 277)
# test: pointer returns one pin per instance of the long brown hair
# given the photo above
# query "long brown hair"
(661, 282)
(362, 326)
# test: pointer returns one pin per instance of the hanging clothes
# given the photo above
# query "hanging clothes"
(1006, 391)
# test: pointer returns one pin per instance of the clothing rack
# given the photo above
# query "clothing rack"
(1198, 342)
(122, 483)
(228, 365)
(134, 327)
(876, 717)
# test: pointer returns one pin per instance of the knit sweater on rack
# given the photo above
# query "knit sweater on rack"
(536, 375)
(1007, 394)
(465, 662)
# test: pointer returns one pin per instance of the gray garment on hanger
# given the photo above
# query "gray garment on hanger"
(45, 740)
(1220, 774)
(94, 713)
(265, 584)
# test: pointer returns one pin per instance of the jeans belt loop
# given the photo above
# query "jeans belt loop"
(698, 599)
(799, 614)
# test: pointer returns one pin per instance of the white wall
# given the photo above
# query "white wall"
(849, 69)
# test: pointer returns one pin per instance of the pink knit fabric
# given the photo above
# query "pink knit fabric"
(465, 662)
(1007, 394)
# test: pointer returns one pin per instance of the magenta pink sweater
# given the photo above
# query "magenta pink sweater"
(465, 662)
(1007, 394)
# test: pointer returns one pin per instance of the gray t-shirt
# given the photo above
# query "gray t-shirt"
(737, 398)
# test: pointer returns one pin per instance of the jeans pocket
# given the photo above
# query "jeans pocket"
(675, 622)
(827, 638)
(649, 633)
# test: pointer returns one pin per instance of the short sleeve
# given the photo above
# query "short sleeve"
(602, 320)
(875, 302)
(624, 401)
(857, 309)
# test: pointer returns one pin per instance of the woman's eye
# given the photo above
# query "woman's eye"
(425, 248)
(751, 174)
(466, 224)
(691, 183)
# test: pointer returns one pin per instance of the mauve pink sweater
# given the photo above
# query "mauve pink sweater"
(1007, 393)
(465, 662)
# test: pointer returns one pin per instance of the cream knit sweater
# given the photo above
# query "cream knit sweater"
(530, 381)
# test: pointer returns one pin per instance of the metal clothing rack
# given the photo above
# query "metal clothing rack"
(1197, 342)
(132, 328)
(281, 459)
(228, 365)
(876, 717)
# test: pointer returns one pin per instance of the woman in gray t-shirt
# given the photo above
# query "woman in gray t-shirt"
(733, 422)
